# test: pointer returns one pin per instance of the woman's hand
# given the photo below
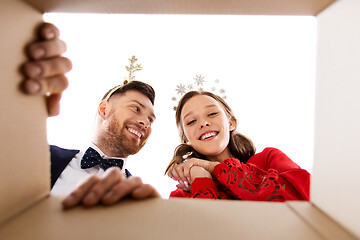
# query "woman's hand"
(207, 165)
(195, 172)
(183, 187)
(182, 172)
(198, 172)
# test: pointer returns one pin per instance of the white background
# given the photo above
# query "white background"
(266, 64)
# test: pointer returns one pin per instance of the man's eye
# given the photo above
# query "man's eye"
(137, 109)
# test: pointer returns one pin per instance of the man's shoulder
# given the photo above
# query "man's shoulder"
(62, 155)
(59, 152)
(60, 149)
(60, 158)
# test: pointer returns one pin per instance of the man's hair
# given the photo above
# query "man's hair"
(141, 87)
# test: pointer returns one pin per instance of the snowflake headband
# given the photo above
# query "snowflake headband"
(200, 85)
(131, 69)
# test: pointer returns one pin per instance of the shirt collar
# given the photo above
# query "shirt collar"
(105, 156)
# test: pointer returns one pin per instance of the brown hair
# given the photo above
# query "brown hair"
(141, 87)
(240, 146)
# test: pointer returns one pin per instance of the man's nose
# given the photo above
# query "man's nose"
(145, 122)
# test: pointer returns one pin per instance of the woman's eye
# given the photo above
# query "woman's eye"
(191, 122)
(137, 109)
(213, 114)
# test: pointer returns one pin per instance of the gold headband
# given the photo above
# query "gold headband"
(131, 69)
(111, 92)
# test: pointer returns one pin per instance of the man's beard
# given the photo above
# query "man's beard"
(115, 139)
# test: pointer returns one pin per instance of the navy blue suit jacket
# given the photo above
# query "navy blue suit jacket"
(60, 158)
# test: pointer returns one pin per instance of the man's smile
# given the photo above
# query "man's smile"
(134, 131)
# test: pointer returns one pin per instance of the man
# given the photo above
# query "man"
(123, 126)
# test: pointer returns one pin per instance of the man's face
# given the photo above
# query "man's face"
(129, 122)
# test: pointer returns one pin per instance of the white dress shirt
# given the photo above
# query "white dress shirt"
(72, 175)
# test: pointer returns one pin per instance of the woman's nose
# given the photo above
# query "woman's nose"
(204, 124)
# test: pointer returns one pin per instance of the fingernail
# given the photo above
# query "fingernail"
(32, 86)
(50, 34)
(181, 182)
(38, 53)
(91, 196)
(109, 194)
(186, 184)
(69, 200)
(35, 70)
(173, 178)
(189, 179)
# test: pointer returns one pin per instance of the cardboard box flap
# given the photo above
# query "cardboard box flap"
(319, 221)
(25, 167)
(161, 219)
(243, 7)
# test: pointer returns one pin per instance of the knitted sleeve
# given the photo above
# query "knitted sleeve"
(267, 176)
(249, 182)
(201, 188)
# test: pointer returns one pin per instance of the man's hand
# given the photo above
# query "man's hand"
(109, 189)
(45, 71)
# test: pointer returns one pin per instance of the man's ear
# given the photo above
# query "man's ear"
(231, 124)
(102, 109)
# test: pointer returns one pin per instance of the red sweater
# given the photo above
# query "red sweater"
(267, 176)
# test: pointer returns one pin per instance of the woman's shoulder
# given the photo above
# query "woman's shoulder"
(266, 152)
(271, 150)
(274, 158)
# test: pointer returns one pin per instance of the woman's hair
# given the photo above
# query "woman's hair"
(240, 146)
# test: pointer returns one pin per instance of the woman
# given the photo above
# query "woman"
(216, 162)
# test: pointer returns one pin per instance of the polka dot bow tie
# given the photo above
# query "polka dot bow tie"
(92, 158)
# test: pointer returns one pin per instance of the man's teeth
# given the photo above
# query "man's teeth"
(135, 132)
(208, 135)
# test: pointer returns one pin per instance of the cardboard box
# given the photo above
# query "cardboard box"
(242, 7)
(170, 219)
(26, 212)
(23, 120)
(335, 188)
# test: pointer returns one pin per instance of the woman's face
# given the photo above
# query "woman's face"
(207, 127)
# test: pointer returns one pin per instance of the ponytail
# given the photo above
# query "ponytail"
(241, 146)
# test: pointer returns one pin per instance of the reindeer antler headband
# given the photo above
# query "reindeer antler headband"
(131, 69)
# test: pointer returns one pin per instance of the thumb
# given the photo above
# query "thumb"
(53, 104)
